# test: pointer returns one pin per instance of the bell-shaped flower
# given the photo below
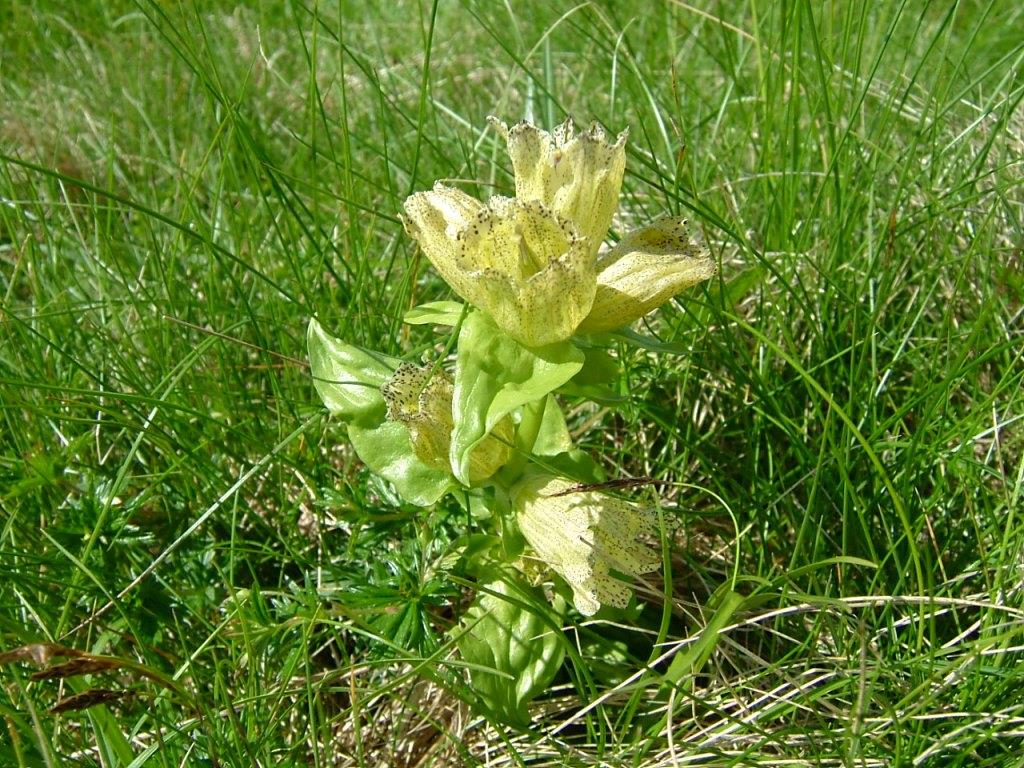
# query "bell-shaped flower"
(421, 399)
(525, 266)
(586, 537)
(643, 270)
(576, 175)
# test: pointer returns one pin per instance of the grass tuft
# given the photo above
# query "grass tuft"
(838, 422)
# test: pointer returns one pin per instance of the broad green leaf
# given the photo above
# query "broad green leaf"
(513, 652)
(386, 449)
(494, 375)
(478, 502)
(688, 663)
(599, 367)
(347, 378)
(435, 313)
(599, 393)
(470, 553)
(553, 436)
(576, 464)
(739, 287)
(607, 657)
(111, 742)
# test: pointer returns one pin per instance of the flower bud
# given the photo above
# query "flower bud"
(586, 537)
(421, 399)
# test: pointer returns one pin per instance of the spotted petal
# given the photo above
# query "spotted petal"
(434, 219)
(586, 537)
(645, 269)
(534, 275)
(578, 176)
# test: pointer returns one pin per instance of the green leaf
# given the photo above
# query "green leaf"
(553, 436)
(386, 449)
(740, 286)
(111, 743)
(599, 393)
(494, 375)
(576, 464)
(607, 657)
(348, 378)
(689, 662)
(512, 648)
(478, 502)
(599, 367)
(470, 553)
(435, 313)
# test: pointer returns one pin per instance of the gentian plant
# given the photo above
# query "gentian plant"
(540, 302)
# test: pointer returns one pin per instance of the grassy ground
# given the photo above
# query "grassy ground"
(184, 185)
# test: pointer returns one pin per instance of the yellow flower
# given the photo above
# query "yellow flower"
(586, 537)
(645, 269)
(421, 399)
(517, 261)
(532, 262)
(577, 176)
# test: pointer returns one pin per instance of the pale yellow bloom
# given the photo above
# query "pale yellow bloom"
(585, 536)
(517, 261)
(421, 399)
(576, 175)
(532, 262)
(645, 269)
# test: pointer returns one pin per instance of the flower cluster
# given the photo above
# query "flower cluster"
(531, 262)
(535, 280)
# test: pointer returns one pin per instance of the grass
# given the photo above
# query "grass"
(842, 437)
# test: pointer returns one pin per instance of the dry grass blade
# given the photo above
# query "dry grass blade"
(87, 699)
(38, 654)
(75, 667)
